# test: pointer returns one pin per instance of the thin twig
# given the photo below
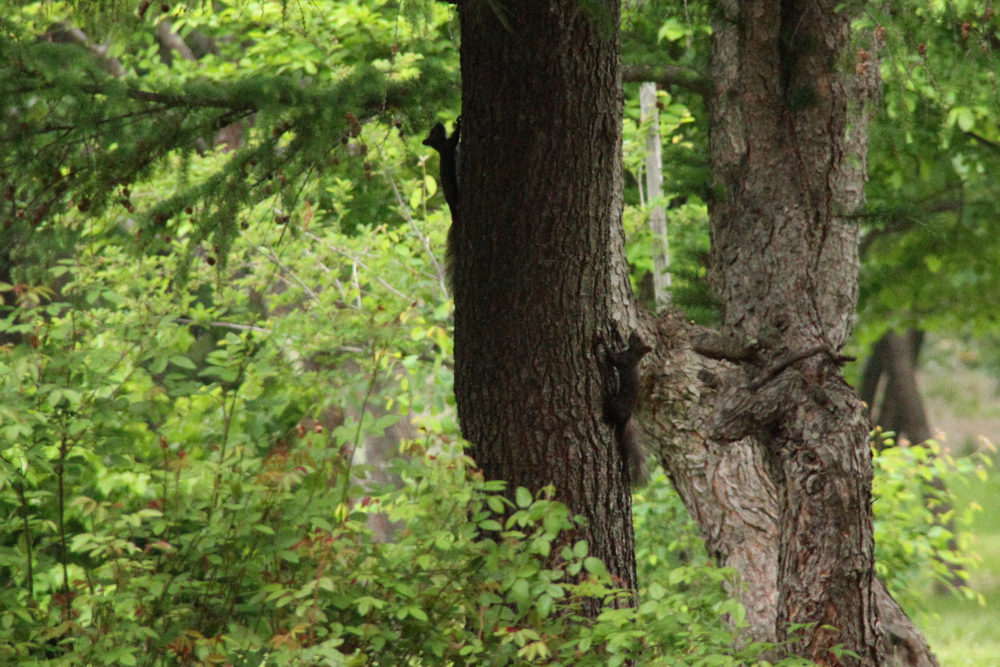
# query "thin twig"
(270, 254)
(225, 325)
(357, 283)
(356, 259)
(423, 239)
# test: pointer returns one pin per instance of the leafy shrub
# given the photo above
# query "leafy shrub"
(169, 497)
(921, 536)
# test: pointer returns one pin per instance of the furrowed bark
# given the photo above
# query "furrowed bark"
(786, 145)
(727, 489)
(538, 297)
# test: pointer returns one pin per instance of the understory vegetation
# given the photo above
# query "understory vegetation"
(183, 483)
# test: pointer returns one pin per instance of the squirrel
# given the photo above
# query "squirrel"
(449, 150)
(447, 146)
(618, 406)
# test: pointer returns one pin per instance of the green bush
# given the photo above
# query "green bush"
(922, 536)
(169, 498)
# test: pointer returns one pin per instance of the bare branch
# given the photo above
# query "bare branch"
(356, 260)
(427, 246)
(669, 75)
(224, 325)
(984, 141)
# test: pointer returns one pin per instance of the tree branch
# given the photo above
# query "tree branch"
(984, 141)
(719, 346)
(669, 75)
(172, 41)
(176, 101)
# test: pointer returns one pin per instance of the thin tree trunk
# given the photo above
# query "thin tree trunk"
(654, 190)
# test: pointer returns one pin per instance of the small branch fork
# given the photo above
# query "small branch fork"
(731, 348)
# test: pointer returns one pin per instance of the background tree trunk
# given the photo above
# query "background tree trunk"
(536, 291)
(899, 408)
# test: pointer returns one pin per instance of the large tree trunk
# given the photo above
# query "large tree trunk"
(758, 432)
(538, 299)
(764, 440)
(787, 148)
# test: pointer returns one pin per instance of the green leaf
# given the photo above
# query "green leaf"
(672, 29)
(964, 116)
(183, 362)
(520, 591)
(416, 197)
(595, 566)
(495, 503)
(545, 605)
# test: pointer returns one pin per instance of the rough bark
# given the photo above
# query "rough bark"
(787, 149)
(765, 442)
(538, 300)
(758, 432)
(726, 488)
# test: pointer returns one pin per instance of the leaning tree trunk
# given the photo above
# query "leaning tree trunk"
(536, 291)
(787, 147)
(754, 425)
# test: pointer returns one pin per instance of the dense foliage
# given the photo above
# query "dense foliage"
(164, 505)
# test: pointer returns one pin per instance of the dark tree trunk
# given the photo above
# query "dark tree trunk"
(894, 363)
(787, 146)
(900, 409)
(539, 295)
